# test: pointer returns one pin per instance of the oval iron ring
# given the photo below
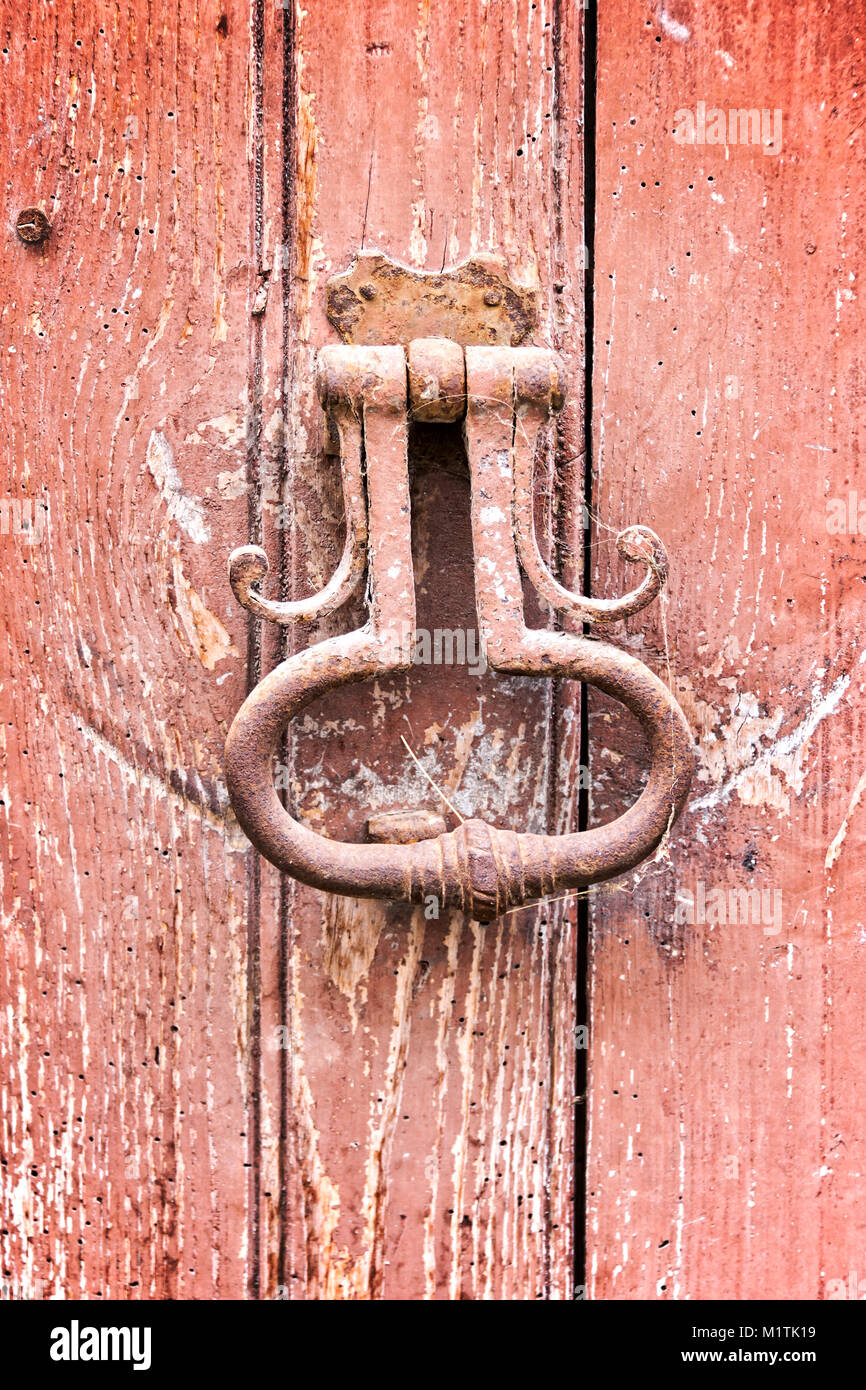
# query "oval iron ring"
(478, 868)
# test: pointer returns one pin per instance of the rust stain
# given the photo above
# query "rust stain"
(378, 301)
(307, 139)
(204, 632)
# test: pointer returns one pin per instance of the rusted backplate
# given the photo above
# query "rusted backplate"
(378, 302)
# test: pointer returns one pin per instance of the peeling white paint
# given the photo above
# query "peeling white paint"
(756, 773)
(186, 511)
(672, 27)
(839, 837)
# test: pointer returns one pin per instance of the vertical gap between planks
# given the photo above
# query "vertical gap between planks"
(571, 489)
(559, 488)
(581, 1109)
(289, 228)
(254, 669)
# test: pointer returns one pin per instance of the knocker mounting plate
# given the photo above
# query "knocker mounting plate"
(505, 396)
(379, 302)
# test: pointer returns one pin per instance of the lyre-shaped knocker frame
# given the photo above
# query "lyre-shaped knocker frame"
(508, 394)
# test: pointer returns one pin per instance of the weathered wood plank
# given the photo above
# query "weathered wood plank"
(169, 1144)
(431, 1061)
(727, 1093)
(125, 342)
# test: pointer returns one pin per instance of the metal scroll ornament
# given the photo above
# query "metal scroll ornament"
(446, 347)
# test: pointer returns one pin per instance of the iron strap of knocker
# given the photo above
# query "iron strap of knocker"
(506, 395)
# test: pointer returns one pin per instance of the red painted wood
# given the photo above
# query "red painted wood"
(124, 342)
(217, 1084)
(430, 1076)
(726, 1143)
(204, 173)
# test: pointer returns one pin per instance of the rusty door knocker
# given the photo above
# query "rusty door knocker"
(505, 394)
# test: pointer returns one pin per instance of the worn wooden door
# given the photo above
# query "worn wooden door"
(726, 1137)
(218, 1083)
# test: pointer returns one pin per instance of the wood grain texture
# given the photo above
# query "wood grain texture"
(427, 1065)
(727, 1086)
(125, 346)
(215, 1084)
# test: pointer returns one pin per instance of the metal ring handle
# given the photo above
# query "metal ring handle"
(478, 868)
(481, 869)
